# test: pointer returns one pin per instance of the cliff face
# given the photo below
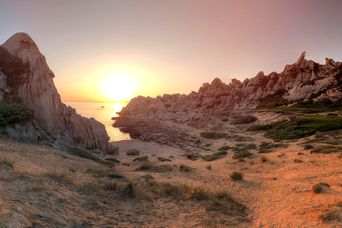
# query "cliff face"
(304, 80)
(26, 78)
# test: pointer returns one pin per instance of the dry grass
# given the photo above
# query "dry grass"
(59, 178)
(6, 162)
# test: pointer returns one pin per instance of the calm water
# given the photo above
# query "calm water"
(102, 112)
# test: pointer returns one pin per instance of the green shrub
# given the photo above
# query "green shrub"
(300, 127)
(243, 147)
(310, 107)
(225, 147)
(327, 149)
(267, 147)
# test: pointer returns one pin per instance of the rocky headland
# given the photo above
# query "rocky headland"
(32, 109)
(303, 83)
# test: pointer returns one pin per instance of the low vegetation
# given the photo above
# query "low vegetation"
(332, 215)
(308, 147)
(14, 113)
(236, 176)
(224, 147)
(326, 149)
(213, 135)
(239, 138)
(243, 147)
(300, 127)
(330, 137)
(217, 155)
(267, 147)
(242, 154)
(147, 166)
(185, 168)
(310, 107)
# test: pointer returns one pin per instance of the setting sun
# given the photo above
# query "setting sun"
(118, 87)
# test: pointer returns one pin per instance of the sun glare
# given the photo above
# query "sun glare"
(118, 87)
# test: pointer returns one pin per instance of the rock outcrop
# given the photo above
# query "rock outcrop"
(26, 78)
(304, 80)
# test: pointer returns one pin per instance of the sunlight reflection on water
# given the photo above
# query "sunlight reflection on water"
(103, 112)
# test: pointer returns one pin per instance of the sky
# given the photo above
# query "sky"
(170, 46)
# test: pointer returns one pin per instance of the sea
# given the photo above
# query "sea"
(102, 112)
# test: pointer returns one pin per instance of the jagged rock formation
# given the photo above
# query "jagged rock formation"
(302, 81)
(26, 78)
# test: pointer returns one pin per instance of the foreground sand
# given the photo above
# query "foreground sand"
(278, 191)
(51, 188)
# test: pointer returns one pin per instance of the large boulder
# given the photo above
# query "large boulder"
(25, 77)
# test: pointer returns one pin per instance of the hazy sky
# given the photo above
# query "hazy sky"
(170, 46)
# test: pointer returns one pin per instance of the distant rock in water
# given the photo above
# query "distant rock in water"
(26, 79)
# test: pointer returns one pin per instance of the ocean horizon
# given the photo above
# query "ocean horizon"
(102, 112)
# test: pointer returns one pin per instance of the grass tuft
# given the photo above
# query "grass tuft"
(217, 155)
(6, 162)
